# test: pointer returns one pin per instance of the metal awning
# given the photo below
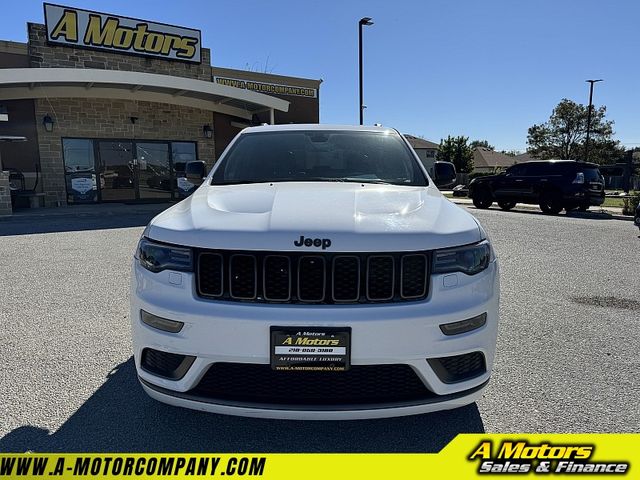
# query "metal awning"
(10, 138)
(28, 83)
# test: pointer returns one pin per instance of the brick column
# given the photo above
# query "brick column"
(5, 195)
(50, 147)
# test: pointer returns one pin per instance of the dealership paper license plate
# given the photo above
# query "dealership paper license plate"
(310, 349)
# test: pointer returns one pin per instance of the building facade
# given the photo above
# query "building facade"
(112, 108)
(426, 150)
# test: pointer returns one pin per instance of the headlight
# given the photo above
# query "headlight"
(157, 256)
(470, 259)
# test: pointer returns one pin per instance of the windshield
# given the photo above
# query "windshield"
(315, 155)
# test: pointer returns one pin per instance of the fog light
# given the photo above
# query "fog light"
(464, 326)
(161, 323)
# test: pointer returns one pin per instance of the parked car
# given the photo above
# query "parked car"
(551, 184)
(460, 191)
(316, 273)
(636, 219)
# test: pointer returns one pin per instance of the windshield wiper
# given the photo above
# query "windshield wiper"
(310, 179)
(367, 180)
(248, 182)
(346, 180)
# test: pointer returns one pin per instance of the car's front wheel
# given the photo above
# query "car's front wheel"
(504, 205)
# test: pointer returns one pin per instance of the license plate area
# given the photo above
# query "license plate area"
(319, 349)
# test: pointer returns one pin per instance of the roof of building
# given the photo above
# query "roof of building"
(524, 157)
(483, 157)
(16, 48)
(417, 142)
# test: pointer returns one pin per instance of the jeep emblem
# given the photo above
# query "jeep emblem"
(312, 242)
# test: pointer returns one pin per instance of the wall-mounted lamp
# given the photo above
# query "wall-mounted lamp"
(207, 131)
(47, 121)
(4, 114)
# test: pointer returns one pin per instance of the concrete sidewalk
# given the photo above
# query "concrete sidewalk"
(89, 210)
(614, 212)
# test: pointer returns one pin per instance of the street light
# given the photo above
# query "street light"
(586, 143)
(363, 21)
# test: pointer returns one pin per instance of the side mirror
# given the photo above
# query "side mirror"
(444, 174)
(195, 172)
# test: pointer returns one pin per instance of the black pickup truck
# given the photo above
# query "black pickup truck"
(552, 184)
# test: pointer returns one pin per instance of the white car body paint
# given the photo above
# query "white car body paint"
(356, 217)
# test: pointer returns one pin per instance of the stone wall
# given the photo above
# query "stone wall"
(5, 194)
(103, 118)
(44, 55)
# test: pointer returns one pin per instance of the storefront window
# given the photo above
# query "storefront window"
(154, 170)
(126, 170)
(79, 167)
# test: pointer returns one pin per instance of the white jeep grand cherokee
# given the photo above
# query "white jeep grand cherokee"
(317, 273)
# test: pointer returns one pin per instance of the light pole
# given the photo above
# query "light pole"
(363, 21)
(586, 143)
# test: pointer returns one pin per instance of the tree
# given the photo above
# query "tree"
(563, 135)
(481, 143)
(457, 151)
(511, 153)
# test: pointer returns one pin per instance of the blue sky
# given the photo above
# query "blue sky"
(486, 69)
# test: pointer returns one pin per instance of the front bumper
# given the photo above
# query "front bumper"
(232, 332)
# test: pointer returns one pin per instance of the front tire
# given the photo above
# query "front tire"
(550, 203)
(482, 199)
(504, 205)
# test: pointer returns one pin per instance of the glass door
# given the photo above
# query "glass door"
(155, 181)
(79, 170)
(117, 171)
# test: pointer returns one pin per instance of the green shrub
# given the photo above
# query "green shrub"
(630, 203)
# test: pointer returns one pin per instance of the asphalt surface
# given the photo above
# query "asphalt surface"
(567, 356)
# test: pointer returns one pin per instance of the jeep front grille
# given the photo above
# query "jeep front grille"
(323, 278)
(250, 383)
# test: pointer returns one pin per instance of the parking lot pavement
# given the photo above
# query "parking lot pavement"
(567, 357)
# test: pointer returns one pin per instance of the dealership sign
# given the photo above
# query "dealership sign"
(268, 88)
(84, 28)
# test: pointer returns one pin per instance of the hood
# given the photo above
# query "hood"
(354, 217)
(484, 178)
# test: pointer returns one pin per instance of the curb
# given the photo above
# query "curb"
(47, 213)
(602, 211)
